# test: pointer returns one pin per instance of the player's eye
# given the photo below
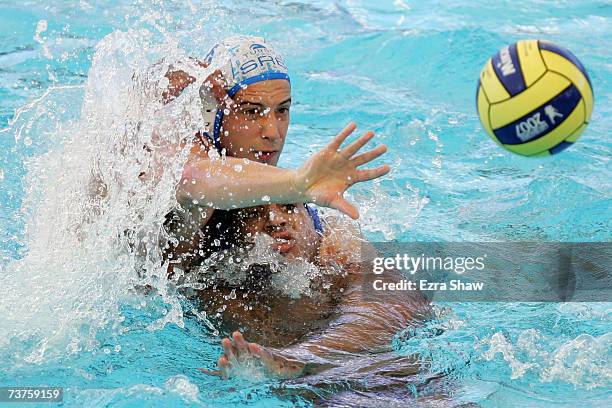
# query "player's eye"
(251, 111)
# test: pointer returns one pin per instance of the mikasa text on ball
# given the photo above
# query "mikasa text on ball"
(534, 98)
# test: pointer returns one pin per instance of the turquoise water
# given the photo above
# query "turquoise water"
(405, 69)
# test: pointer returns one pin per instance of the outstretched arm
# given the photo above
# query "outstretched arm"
(364, 327)
(367, 323)
(228, 182)
(237, 183)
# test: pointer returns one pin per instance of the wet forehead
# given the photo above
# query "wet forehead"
(271, 92)
(259, 216)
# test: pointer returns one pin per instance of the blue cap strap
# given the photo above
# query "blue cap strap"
(315, 218)
(266, 76)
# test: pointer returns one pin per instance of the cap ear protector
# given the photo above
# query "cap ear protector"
(212, 116)
(242, 60)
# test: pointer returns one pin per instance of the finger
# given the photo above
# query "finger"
(240, 343)
(341, 137)
(223, 363)
(228, 349)
(354, 147)
(344, 206)
(369, 155)
(371, 174)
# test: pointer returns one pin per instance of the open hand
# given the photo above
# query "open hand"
(236, 351)
(330, 172)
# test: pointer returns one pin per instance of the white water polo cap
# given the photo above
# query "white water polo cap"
(242, 60)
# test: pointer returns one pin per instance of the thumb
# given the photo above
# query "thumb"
(216, 373)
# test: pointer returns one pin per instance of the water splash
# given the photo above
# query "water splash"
(96, 201)
(555, 352)
(291, 277)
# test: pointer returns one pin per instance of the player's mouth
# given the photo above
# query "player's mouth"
(283, 241)
(265, 156)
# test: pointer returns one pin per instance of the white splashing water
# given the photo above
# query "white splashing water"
(94, 223)
(401, 209)
(583, 361)
(292, 277)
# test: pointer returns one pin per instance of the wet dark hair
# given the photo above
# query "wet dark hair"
(223, 231)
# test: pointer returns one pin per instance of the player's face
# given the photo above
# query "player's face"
(257, 124)
(290, 226)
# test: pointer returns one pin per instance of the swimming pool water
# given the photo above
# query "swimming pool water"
(406, 69)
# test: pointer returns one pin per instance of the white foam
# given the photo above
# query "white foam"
(583, 361)
(91, 222)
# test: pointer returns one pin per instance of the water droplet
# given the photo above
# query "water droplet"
(226, 111)
(265, 198)
(216, 242)
(27, 141)
(106, 350)
(195, 202)
(226, 133)
(237, 168)
(117, 348)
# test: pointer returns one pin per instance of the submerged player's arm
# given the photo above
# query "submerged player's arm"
(368, 319)
(365, 326)
(367, 323)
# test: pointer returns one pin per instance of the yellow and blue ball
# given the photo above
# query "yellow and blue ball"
(534, 98)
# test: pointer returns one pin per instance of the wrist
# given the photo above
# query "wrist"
(299, 185)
